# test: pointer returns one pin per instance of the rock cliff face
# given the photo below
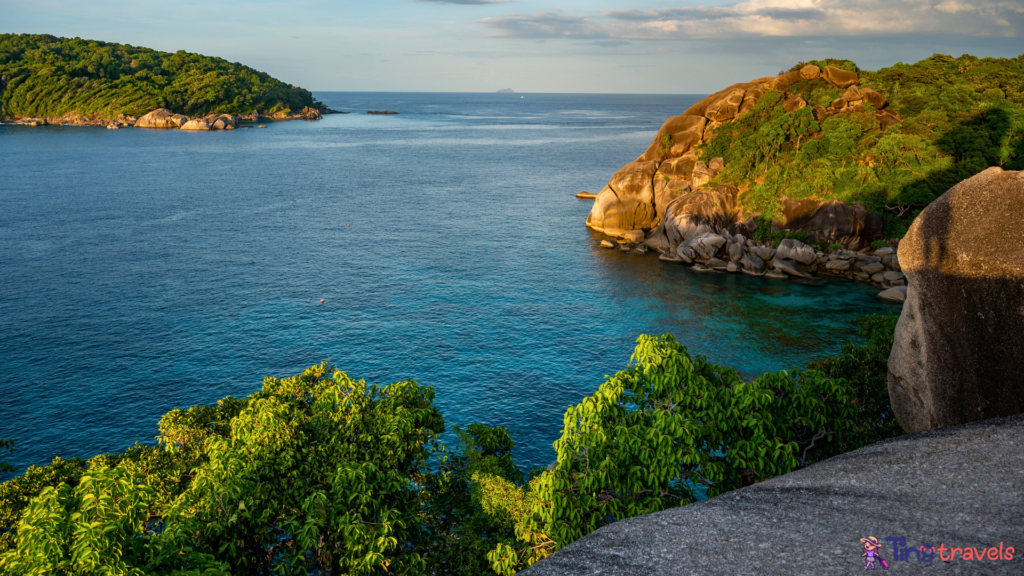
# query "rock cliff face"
(705, 227)
(958, 353)
(639, 195)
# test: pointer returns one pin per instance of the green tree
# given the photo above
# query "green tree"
(671, 428)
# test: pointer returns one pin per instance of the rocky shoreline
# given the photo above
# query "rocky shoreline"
(722, 252)
(165, 119)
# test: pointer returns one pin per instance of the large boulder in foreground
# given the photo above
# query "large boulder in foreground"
(627, 202)
(161, 118)
(958, 487)
(958, 354)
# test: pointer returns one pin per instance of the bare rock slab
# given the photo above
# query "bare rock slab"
(959, 487)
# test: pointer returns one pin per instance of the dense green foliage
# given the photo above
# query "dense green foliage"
(322, 474)
(672, 427)
(46, 76)
(959, 116)
(864, 368)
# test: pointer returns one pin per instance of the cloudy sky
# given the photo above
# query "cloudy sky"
(618, 46)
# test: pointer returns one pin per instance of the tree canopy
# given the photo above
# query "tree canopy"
(957, 116)
(47, 76)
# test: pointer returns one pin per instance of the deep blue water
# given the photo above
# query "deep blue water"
(146, 270)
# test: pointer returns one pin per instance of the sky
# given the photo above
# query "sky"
(596, 46)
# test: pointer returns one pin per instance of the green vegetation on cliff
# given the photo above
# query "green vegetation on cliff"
(323, 474)
(957, 116)
(46, 76)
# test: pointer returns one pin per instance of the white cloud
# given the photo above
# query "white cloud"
(784, 18)
(952, 7)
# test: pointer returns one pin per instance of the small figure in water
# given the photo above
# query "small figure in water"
(871, 553)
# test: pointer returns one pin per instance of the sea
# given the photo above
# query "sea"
(146, 270)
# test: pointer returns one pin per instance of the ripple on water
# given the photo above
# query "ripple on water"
(147, 270)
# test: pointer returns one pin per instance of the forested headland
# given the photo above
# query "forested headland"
(46, 76)
(938, 121)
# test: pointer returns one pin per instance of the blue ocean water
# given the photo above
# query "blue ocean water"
(145, 270)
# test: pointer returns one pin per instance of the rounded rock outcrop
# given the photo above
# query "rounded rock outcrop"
(796, 250)
(627, 202)
(833, 221)
(196, 124)
(161, 118)
(958, 351)
(839, 77)
(708, 210)
(810, 72)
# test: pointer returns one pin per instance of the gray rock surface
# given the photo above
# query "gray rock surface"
(796, 250)
(716, 264)
(752, 265)
(705, 245)
(735, 251)
(789, 268)
(894, 294)
(959, 487)
(764, 252)
(871, 268)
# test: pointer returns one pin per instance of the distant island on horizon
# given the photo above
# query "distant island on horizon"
(506, 91)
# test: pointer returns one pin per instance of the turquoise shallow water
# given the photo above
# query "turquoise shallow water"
(146, 270)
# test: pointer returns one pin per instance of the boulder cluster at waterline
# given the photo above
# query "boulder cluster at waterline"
(163, 118)
(725, 252)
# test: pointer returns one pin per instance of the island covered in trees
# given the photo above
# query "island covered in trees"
(50, 77)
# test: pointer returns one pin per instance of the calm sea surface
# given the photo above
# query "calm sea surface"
(144, 270)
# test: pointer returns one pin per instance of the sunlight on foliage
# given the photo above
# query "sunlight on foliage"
(323, 474)
(42, 75)
(958, 116)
